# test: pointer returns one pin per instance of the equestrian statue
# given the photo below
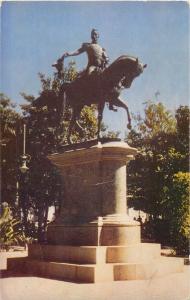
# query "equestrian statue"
(99, 83)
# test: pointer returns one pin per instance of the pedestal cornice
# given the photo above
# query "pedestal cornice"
(120, 151)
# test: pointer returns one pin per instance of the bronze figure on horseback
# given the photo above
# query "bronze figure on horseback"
(98, 83)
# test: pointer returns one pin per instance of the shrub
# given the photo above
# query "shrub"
(10, 231)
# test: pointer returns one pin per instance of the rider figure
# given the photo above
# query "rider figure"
(97, 57)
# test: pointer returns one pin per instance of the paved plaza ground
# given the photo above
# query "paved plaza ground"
(18, 287)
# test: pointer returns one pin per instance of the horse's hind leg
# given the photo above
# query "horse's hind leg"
(120, 103)
(74, 123)
(79, 128)
(71, 126)
(100, 116)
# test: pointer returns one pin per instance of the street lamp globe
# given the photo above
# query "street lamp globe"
(24, 167)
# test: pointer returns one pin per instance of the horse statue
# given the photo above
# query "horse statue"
(99, 88)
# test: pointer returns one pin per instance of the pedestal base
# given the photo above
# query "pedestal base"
(96, 264)
(93, 234)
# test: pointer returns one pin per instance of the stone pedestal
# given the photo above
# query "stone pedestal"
(93, 239)
(94, 208)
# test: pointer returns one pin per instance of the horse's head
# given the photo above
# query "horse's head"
(138, 68)
(135, 69)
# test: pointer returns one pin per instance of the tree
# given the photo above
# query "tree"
(163, 152)
(183, 120)
(153, 136)
(177, 214)
(9, 143)
(157, 119)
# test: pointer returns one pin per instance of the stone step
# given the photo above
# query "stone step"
(141, 271)
(132, 254)
(65, 271)
(91, 273)
(95, 254)
(76, 254)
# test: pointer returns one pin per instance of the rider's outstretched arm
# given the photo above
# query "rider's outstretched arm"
(77, 52)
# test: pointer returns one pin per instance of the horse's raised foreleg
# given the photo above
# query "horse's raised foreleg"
(100, 116)
(120, 103)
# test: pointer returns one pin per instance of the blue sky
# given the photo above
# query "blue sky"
(35, 34)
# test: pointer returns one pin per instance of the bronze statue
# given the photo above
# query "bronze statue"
(98, 83)
(97, 57)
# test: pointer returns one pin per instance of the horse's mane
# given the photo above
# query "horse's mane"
(124, 57)
(120, 61)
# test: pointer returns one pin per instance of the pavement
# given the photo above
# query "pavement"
(19, 287)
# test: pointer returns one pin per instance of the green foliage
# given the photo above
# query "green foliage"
(10, 233)
(9, 143)
(182, 117)
(163, 147)
(177, 212)
(9, 119)
(109, 133)
(157, 120)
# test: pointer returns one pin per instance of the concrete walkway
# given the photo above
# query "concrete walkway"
(172, 287)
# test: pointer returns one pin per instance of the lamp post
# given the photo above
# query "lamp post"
(25, 157)
(21, 188)
(17, 194)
